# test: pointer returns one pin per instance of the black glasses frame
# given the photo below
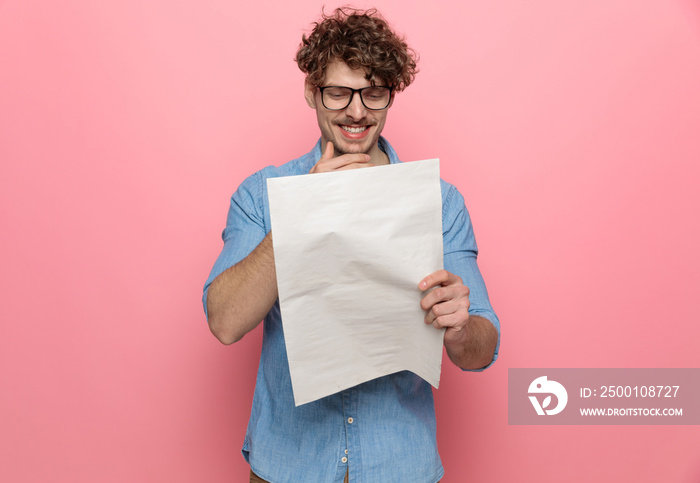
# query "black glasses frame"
(352, 95)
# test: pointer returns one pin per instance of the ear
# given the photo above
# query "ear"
(310, 94)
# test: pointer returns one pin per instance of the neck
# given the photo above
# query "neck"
(377, 156)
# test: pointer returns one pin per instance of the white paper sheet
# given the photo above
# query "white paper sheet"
(350, 248)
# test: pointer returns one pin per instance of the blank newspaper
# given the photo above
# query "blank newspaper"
(350, 248)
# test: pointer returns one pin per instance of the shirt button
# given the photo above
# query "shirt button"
(346, 451)
(350, 420)
(344, 460)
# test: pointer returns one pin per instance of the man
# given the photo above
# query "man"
(381, 430)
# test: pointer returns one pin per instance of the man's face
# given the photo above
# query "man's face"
(354, 129)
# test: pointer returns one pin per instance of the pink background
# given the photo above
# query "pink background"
(571, 128)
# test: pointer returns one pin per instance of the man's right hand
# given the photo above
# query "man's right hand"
(328, 163)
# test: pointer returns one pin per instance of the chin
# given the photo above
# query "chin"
(353, 148)
(357, 150)
(343, 148)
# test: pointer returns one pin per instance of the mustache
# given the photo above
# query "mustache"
(351, 122)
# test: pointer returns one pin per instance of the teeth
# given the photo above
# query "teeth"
(354, 130)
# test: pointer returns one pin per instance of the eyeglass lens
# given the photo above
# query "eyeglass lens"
(373, 97)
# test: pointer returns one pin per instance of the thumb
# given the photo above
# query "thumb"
(328, 153)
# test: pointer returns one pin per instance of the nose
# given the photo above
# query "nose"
(356, 110)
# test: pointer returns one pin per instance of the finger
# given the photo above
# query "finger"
(447, 308)
(326, 156)
(354, 166)
(328, 153)
(442, 294)
(441, 277)
(342, 161)
(347, 159)
(456, 321)
(326, 164)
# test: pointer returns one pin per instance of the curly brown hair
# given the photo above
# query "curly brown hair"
(361, 39)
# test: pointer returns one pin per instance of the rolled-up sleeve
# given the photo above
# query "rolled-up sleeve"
(460, 253)
(245, 228)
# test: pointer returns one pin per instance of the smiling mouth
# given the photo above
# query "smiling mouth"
(354, 130)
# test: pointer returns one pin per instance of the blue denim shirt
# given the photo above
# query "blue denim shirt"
(381, 430)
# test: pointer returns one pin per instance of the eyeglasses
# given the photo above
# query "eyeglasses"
(337, 98)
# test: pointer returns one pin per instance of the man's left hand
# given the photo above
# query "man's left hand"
(470, 341)
(447, 306)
